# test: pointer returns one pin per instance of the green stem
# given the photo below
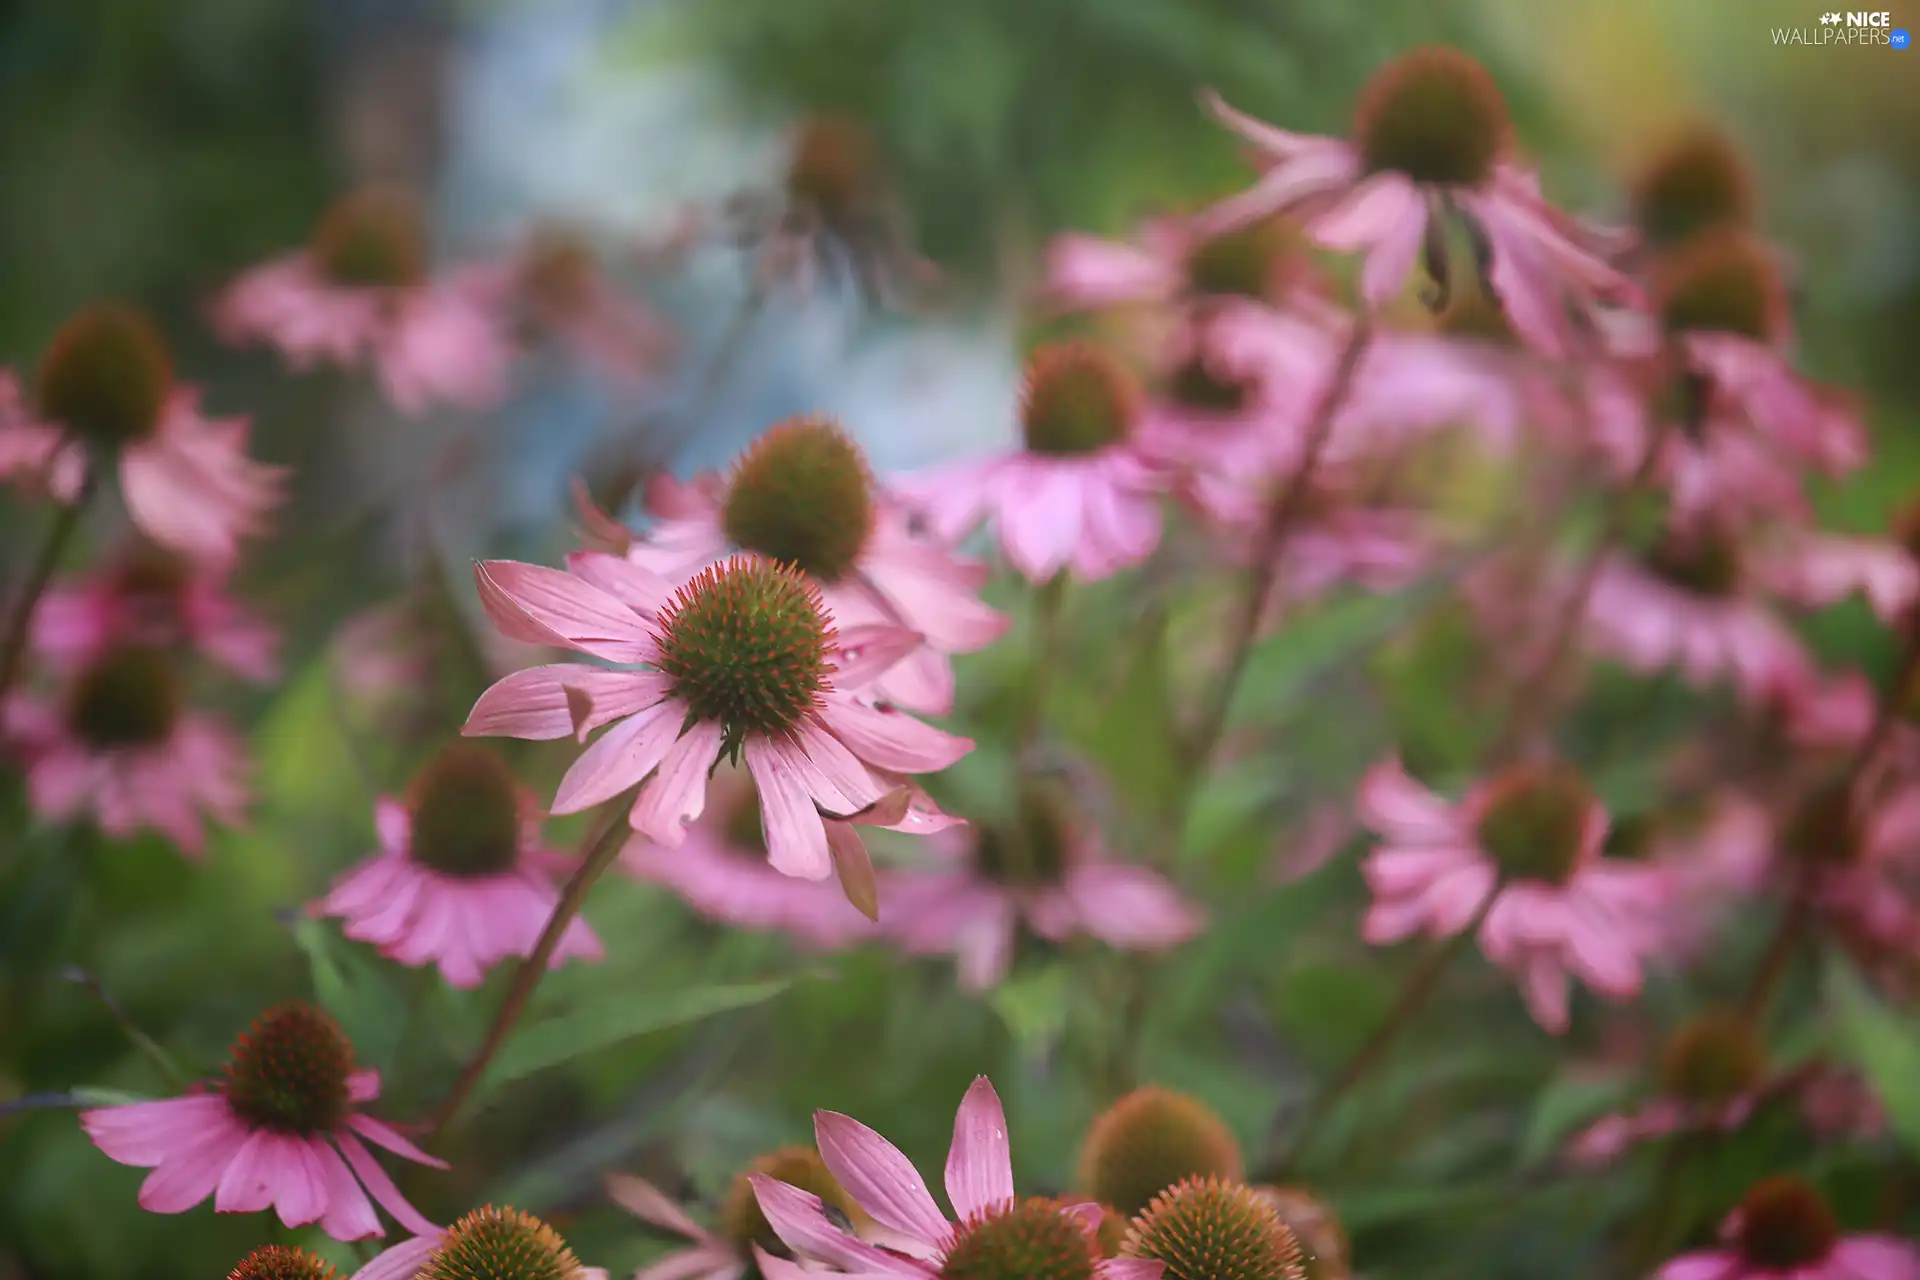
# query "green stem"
(605, 848)
(1048, 602)
(66, 521)
(145, 1043)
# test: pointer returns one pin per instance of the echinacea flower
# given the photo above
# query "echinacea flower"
(1696, 181)
(1044, 871)
(361, 293)
(122, 745)
(1216, 1228)
(280, 1129)
(151, 596)
(459, 881)
(1852, 845)
(1078, 495)
(1170, 263)
(743, 661)
(721, 871)
(105, 398)
(1713, 1074)
(1784, 1230)
(802, 495)
(1714, 851)
(1149, 1140)
(280, 1262)
(491, 1242)
(997, 1232)
(556, 287)
(1431, 145)
(726, 1251)
(1521, 855)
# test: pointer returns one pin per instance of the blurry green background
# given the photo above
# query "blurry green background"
(153, 148)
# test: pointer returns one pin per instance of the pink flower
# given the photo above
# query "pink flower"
(1430, 146)
(1080, 495)
(154, 598)
(360, 294)
(1520, 854)
(721, 871)
(1169, 263)
(1783, 1230)
(1714, 859)
(1712, 1076)
(801, 495)
(280, 1129)
(1861, 851)
(121, 744)
(885, 1184)
(459, 880)
(557, 288)
(743, 661)
(1043, 871)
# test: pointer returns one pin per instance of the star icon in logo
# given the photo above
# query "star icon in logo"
(1829, 19)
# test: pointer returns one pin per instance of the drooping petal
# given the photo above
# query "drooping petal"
(796, 838)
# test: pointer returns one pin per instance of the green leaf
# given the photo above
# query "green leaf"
(356, 988)
(1034, 1004)
(1565, 1105)
(1884, 1046)
(540, 1045)
(1134, 734)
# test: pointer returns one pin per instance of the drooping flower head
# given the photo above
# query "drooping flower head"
(1080, 495)
(998, 1235)
(279, 1262)
(1785, 1228)
(1723, 282)
(105, 399)
(281, 1128)
(1149, 1140)
(1214, 1228)
(1711, 1076)
(461, 880)
(1698, 181)
(491, 1243)
(1431, 146)
(122, 745)
(1170, 263)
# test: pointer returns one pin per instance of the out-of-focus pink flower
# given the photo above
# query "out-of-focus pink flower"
(1783, 1230)
(802, 495)
(1169, 263)
(462, 880)
(1527, 846)
(1080, 495)
(885, 1184)
(1839, 1105)
(1833, 715)
(282, 1129)
(721, 871)
(152, 597)
(361, 294)
(1827, 569)
(744, 662)
(121, 745)
(1431, 145)
(1046, 871)
(1859, 853)
(1714, 858)
(105, 397)
(558, 289)
(475, 1245)
(1712, 1076)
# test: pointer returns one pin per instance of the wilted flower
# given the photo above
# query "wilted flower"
(998, 1234)
(1431, 145)
(105, 397)
(122, 744)
(801, 495)
(495, 1243)
(1783, 1228)
(280, 1129)
(361, 293)
(1149, 1140)
(1520, 854)
(461, 880)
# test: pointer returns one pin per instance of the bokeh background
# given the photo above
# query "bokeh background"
(155, 148)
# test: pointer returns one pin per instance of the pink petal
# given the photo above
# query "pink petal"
(639, 589)
(795, 837)
(622, 758)
(1086, 271)
(1392, 804)
(368, 1170)
(382, 1134)
(402, 1262)
(868, 652)
(891, 740)
(532, 703)
(649, 1204)
(146, 1133)
(192, 1171)
(538, 605)
(800, 1220)
(1129, 1269)
(350, 1215)
(878, 1177)
(980, 1161)
(678, 793)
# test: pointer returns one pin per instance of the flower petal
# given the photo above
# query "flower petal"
(800, 1220)
(538, 605)
(622, 758)
(678, 793)
(980, 1161)
(880, 1179)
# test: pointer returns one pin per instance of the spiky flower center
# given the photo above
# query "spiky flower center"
(125, 699)
(289, 1071)
(371, 240)
(744, 1223)
(1434, 115)
(802, 495)
(745, 644)
(501, 1244)
(1712, 1059)
(832, 166)
(105, 377)
(1148, 1141)
(1721, 282)
(1534, 823)
(1707, 563)
(1214, 1229)
(1196, 385)
(1242, 263)
(464, 811)
(1029, 1239)
(1698, 183)
(1077, 400)
(1824, 827)
(278, 1262)
(1032, 850)
(1784, 1224)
